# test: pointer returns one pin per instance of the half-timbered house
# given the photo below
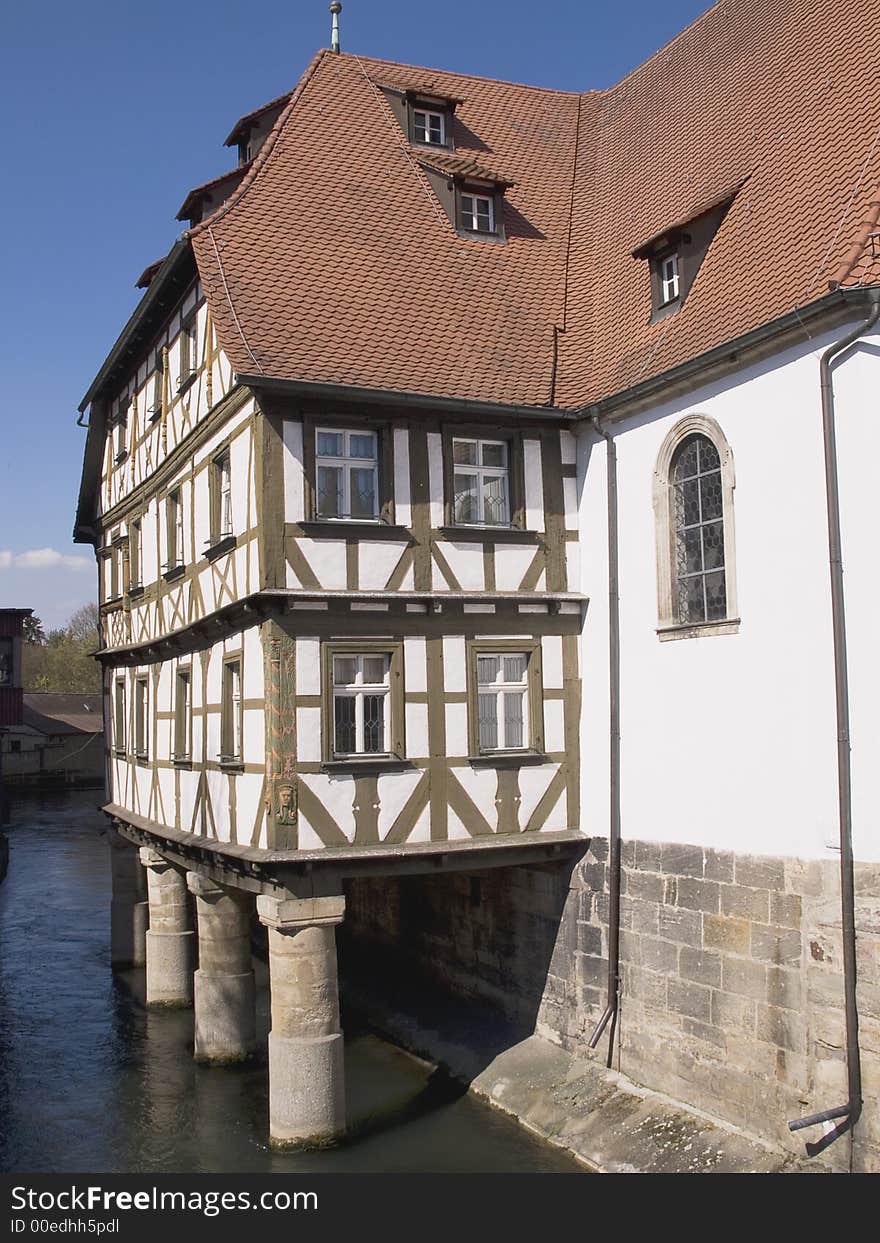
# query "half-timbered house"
(429, 421)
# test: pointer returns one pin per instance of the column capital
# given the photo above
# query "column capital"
(151, 858)
(288, 913)
(203, 887)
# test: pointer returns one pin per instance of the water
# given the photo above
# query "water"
(91, 1081)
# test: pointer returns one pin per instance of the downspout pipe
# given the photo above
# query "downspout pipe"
(613, 987)
(845, 1116)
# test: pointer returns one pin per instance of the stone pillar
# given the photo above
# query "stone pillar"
(125, 880)
(141, 918)
(306, 1071)
(225, 1024)
(169, 938)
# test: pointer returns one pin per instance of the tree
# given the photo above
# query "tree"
(32, 630)
(64, 659)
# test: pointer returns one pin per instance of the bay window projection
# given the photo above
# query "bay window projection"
(361, 686)
(347, 474)
(480, 482)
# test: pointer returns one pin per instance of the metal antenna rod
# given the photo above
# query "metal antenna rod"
(335, 9)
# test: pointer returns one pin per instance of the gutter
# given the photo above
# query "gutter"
(613, 987)
(846, 1116)
(320, 390)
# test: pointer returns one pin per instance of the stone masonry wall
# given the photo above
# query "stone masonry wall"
(732, 987)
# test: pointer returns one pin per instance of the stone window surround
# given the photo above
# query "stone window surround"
(668, 626)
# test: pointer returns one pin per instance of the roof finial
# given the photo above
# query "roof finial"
(335, 9)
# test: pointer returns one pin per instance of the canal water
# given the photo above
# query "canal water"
(91, 1081)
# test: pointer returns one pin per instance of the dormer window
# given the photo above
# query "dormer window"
(668, 280)
(477, 213)
(429, 127)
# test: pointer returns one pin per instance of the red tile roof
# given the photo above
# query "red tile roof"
(333, 261)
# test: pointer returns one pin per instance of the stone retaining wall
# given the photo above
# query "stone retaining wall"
(732, 987)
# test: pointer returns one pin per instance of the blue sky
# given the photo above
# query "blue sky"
(113, 112)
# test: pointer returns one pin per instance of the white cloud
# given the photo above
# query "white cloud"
(43, 559)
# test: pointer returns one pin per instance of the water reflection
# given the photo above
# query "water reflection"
(91, 1081)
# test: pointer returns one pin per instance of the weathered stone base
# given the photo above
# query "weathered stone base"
(732, 992)
(306, 1090)
(224, 1030)
(170, 968)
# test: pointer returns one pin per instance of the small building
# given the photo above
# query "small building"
(59, 738)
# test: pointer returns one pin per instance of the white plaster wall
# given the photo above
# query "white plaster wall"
(534, 485)
(730, 740)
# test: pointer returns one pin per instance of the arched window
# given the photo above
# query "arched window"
(693, 496)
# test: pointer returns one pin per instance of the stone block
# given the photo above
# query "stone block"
(786, 910)
(593, 876)
(784, 988)
(591, 971)
(658, 955)
(680, 860)
(732, 935)
(706, 1032)
(825, 989)
(780, 946)
(804, 877)
(732, 1011)
(746, 979)
(589, 939)
(867, 880)
(718, 865)
(701, 966)
(759, 872)
(685, 927)
(745, 903)
(598, 849)
(647, 987)
(640, 916)
(869, 1000)
(697, 895)
(646, 886)
(684, 997)
(782, 1028)
(825, 947)
(649, 856)
(630, 947)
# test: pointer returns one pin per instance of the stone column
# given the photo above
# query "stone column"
(306, 1072)
(169, 938)
(125, 880)
(141, 917)
(225, 1024)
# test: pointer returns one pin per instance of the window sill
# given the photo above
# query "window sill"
(225, 544)
(662, 312)
(154, 413)
(119, 754)
(507, 759)
(230, 765)
(181, 761)
(173, 572)
(699, 630)
(490, 535)
(135, 591)
(185, 382)
(141, 757)
(472, 235)
(339, 528)
(366, 764)
(121, 456)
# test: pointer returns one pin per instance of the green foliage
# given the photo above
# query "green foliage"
(64, 659)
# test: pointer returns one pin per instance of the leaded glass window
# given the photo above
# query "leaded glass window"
(502, 701)
(697, 506)
(347, 474)
(361, 706)
(480, 482)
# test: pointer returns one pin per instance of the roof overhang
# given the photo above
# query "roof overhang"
(245, 123)
(722, 198)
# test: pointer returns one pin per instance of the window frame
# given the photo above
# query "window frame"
(175, 530)
(135, 554)
(232, 721)
(428, 112)
(535, 741)
(120, 427)
(477, 196)
(120, 731)
(218, 535)
(346, 463)
(384, 433)
(188, 348)
(417, 103)
(141, 717)
(394, 727)
(183, 716)
(516, 506)
(668, 624)
(154, 410)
